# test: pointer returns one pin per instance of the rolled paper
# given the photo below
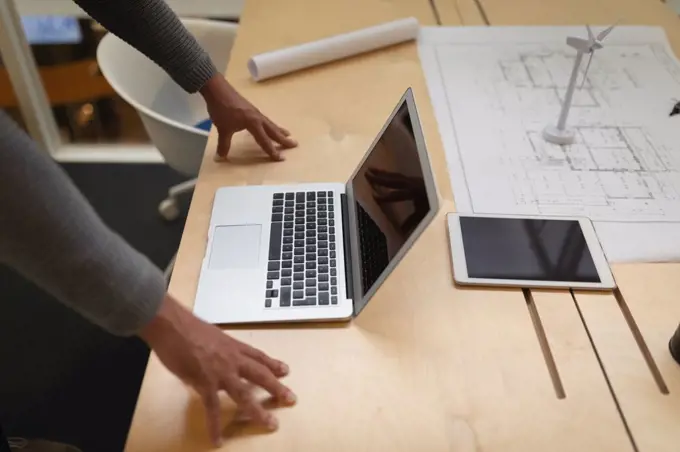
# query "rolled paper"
(290, 59)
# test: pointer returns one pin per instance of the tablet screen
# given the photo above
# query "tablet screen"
(526, 249)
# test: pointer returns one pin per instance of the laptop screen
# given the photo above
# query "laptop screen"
(390, 195)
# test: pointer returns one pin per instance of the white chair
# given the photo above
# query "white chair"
(168, 113)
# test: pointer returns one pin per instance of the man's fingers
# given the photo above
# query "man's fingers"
(262, 376)
(262, 139)
(279, 368)
(211, 402)
(241, 394)
(223, 145)
(279, 135)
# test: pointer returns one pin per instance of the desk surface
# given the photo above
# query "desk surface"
(426, 366)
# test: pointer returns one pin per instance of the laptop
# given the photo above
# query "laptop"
(315, 252)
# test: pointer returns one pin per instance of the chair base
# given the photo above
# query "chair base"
(169, 207)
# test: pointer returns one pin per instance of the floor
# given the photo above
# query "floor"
(62, 378)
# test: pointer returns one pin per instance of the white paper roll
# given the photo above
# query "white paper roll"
(283, 61)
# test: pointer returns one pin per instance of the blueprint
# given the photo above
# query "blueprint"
(494, 89)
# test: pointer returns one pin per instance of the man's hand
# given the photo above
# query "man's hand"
(231, 113)
(204, 357)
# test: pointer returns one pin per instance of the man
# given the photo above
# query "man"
(51, 235)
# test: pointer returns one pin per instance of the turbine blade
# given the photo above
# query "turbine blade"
(591, 36)
(585, 73)
(603, 34)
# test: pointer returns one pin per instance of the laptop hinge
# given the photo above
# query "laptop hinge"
(347, 247)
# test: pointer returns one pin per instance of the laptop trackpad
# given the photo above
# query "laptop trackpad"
(236, 247)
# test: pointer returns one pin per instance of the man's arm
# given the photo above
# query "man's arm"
(51, 235)
(152, 27)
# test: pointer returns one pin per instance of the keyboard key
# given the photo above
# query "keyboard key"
(321, 194)
(311, 233)
(332, 246)
(310, 248)
(299, 251)
(286, 281)
(298, 260)
(331, 222)
(298, 285)
(299, 214)
(310, 274)
(323, 244)
(334, 290)
(289, 204)
(275, 241)
(323, 236)
(323, 228)
(334, 272)
(323, 298)
(297, 302)
(309, 282)
(311, 225)
(310, 301)
(272, 275)
(270, 284)
(311, 204)
(332, 230)
(288, 240)
(310, 291)
(311, 211)
(323, 277)
(298, 276)
(330, 200)
(330, 194)
(330, 208)
(334, 280)
(278, 195)
(288, 224)
(332, 237)
(334, 300)
(323, 252)
(323, 268)
(300, 197)
(288, 232)
(300, 206)
(286, 272)
(321, 200)
(311, 195)
(321, 214)
(332, 254)
(290, 195)
(310, 265)
(274, 266)
(332, 262)
(272, 293)
(322, 208)
(323, 286)
(310, 256)
(278, 203)
(289, 211)
(287, 255)
(299, 267)
(287, 263)
(277, 209)
(311, 240)
(323, 221)
(323, 260)
(299, 235)
(300, 227)
(300, 221)
(268, 303)
(288, 218)
(287, 247)
(299, 243)
(298, 294)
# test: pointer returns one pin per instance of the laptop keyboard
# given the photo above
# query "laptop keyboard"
(302, 268)
(374, 255)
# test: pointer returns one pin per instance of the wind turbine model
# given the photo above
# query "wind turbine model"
(560, 134)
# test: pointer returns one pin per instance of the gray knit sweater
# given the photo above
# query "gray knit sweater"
(48, 231)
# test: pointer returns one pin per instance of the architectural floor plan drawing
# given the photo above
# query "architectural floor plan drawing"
(494, 89)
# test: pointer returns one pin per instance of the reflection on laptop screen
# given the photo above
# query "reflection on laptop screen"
(391, 198)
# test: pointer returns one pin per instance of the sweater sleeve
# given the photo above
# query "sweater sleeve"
(51, 235)
(154, 29)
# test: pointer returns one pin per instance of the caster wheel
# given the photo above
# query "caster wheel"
(169, 209)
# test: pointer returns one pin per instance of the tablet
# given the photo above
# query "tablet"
(527, 251)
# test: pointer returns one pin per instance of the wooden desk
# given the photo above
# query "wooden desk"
(426, 366)
(650, 292)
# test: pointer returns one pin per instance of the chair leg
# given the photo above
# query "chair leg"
(168, 208)
(168, 270)
(184, 187)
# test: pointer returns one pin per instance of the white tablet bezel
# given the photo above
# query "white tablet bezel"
(460, 273)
